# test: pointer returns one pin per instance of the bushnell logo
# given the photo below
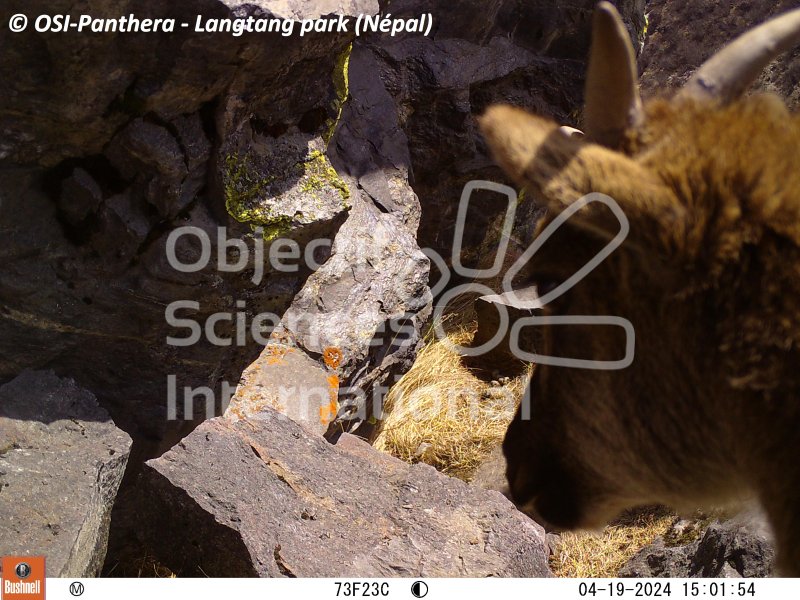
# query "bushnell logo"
(23, 570)
(23, 578)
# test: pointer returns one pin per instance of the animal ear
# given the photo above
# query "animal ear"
(559, 169)
(517, 138)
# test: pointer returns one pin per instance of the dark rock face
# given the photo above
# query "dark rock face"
(69, 94)
(741, 547)
(264, 497)
(530, 54)
(61, 463)
(682, 35)
(112, 142)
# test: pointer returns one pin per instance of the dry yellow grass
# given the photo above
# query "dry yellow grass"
(439, 413)
(604, 553)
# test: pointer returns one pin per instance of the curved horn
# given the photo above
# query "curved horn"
(612, 83)
(727, 74)
(571, 132)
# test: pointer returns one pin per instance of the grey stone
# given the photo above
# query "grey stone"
(370, 144)
(553, 543)
(285, 185)
(264, 497)
(80, 196)
(368, 303)
(61, 463)
(150, 157)
(740, 547)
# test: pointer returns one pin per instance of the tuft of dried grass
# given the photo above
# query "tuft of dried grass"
(604, 553)
(439, 413)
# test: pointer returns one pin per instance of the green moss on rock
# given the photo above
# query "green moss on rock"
(315, 192)
(319, 174)
(243, 188)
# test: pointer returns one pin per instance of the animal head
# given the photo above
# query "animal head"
(708, 276)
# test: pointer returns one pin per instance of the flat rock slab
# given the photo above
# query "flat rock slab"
(265, 497)
(61, 463)
(286, 380)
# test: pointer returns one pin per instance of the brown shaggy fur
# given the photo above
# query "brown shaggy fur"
(709, 276)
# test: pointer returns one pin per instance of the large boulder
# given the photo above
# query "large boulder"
(61, 463)
(265, 497)
(358, 319)
(363, 311)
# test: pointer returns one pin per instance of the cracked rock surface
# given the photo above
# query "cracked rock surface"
(266, 497)
(61, 464)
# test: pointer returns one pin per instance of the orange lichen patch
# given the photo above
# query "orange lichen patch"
(273, 355)
(332, 357)
(328, 413)
(236, 411)
(281, 336)
(333, 381)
